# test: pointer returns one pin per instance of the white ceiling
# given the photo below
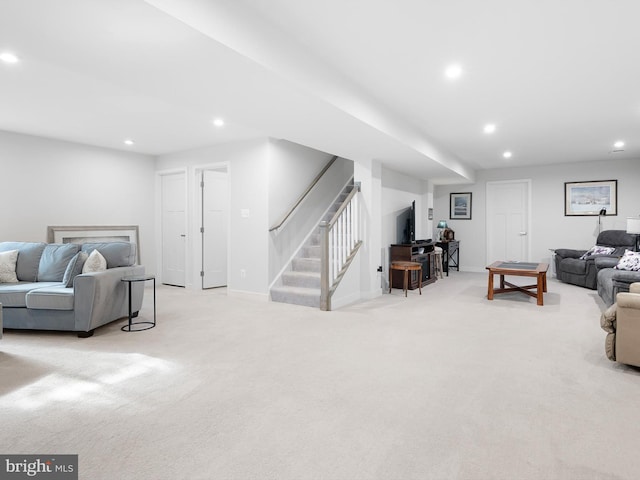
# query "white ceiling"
(362, 79)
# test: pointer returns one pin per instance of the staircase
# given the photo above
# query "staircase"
(300, 283)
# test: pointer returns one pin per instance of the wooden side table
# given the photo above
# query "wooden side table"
(406, 267)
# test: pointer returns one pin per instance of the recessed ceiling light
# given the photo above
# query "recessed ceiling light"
(619, 144)
(128, 141)
(453, 71)
(218, 122)
(489, 128)
(8, 57)
(507, 154)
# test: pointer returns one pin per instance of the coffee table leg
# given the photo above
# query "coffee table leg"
(501, 281)
(490, 288)
(420, 281)
(541, 289)
(390, 272)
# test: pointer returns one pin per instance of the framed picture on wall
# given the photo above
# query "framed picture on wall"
(99, 233)
(460, 206)
(591, 198)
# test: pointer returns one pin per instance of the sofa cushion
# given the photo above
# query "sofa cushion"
(54, 261)
(50, 298)
(94, 263)
(117, 254)
(14, 294)
(8, 261)
(74, 268)
(28, 258)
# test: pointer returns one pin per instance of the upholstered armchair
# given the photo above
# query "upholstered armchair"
(621, 321)
(580, 267)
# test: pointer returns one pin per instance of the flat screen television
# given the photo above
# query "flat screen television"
(406, 225)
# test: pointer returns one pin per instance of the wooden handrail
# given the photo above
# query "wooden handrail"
(304, 194)
(354, 191)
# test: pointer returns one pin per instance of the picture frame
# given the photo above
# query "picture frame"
(589, 198)
(460, 206)
(95, 233)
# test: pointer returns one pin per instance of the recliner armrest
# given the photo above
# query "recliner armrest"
(569, 253)
(625, 276)
(605, 261)
(628, 300)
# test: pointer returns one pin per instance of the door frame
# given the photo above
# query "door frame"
(158, 222)
(488, 213)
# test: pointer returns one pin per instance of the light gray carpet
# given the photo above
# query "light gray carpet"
(447, 385)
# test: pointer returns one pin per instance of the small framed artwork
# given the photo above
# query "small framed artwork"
(597, 197)
(460, 206)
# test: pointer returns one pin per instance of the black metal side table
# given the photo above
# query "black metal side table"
(132, 326)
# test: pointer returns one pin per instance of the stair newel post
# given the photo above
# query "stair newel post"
(325, 300)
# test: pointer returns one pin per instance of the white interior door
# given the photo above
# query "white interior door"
(215, 219)
(173, 229)
(508, 220)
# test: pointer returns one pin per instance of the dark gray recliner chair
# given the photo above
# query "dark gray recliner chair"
(570, 268)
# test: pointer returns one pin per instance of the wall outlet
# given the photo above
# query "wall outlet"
(243, 273)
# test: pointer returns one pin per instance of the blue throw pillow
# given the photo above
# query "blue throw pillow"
(74, 268)
(54, 261)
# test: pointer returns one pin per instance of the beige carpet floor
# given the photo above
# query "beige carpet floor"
(447, 385)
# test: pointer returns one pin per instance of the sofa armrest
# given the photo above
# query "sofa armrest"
(625, 276)
(629, 300)
(569, 253)
(628, 328)
(605, 261)
(101, 297)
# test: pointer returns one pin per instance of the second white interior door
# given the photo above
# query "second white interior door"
(215, 220)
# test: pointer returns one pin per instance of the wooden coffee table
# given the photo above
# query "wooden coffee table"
(518, 269)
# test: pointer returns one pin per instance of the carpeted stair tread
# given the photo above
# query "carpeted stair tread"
(301, 279)
(309, 297)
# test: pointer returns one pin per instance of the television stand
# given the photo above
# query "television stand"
(420, 251)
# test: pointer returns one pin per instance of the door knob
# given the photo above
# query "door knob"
(523, 233)
(182, 235)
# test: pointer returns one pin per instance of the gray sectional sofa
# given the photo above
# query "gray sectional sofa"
(572, 268)
(50, 295)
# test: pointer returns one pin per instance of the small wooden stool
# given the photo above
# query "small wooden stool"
(406, 267)
(437, 253)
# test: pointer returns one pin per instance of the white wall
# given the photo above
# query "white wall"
(247, 163)
(292, 167)
(550, 228)
(372, 252)
(398, 191)
(51, 182)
